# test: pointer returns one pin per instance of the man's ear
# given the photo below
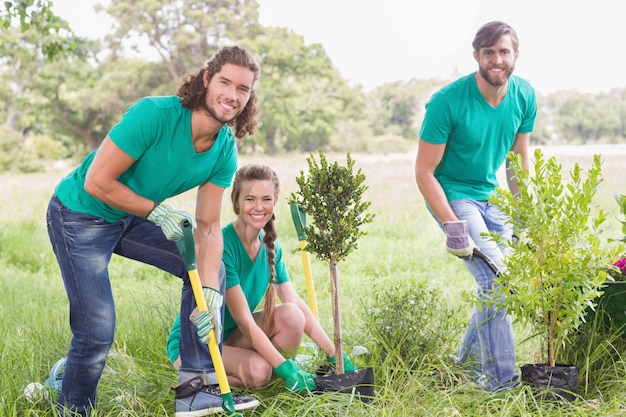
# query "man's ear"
(205, 79)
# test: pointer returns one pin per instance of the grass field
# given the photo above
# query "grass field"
(403, 246)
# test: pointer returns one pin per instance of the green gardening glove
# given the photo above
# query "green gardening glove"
(348, 366)
(169, 221)
(295, 378)
(211, 319)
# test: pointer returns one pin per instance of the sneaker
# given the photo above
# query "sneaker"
(55, 379)
(196, 400)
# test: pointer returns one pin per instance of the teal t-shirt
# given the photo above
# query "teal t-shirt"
(156, 133)
(477, 136)
(253, 277)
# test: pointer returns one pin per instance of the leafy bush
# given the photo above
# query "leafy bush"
(46, 147)
(15, 156)
(410, 321)
(557, 266)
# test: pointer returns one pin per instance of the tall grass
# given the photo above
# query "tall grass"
(403, 246)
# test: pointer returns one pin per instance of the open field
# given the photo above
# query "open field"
(403, 245)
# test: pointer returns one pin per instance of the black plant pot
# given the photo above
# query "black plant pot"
(359, 383)
(559, 383)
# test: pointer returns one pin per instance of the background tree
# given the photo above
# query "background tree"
(306, 104)
(37, 16)
(21, 60)
(397, 108)
(302, 94)
(184, 33)
(85, 101)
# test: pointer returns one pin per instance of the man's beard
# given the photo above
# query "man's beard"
(211, 112)
(496, 82)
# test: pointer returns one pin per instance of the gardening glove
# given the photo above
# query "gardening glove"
(295, 378)
(348, 366)
(458, 241)
(169, 221)
(210, 319)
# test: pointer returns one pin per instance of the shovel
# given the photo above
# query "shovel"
(299, 221)
(493, 267)
(187, 250)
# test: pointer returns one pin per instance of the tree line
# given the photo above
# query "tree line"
(60, 94)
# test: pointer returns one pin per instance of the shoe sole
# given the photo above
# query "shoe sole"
(247, 405)
(215, 410)
(199, 413)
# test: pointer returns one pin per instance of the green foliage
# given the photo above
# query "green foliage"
(46, 147)
(621, 201)
(597, 348)
(331, 194)
(411, 321)
(184, 33)
(302, 96)
(555, 269)
(305, 103)
(397, 107)
(15, 156)
(398, 249)
(37, 15)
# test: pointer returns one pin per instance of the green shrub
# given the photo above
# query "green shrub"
(45, 147)
(410, 321)
(15, 156)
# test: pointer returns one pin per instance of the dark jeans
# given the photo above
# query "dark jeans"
(83, 245)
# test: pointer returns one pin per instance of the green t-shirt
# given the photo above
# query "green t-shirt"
(253, 277)
(477, 136)
(156, 133)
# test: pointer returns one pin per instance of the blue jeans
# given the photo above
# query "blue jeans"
(83, 246)
(488, 340)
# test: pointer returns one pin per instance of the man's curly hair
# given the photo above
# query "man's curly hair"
(193, 92)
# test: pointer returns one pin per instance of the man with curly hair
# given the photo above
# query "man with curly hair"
(113, 202)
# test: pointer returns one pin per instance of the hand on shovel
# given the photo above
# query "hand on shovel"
(210, 318)
(170, 221)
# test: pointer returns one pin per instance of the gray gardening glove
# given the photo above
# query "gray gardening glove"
(458, 241)
(169, 221)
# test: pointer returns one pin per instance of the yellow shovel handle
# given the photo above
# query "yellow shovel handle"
(214, 349)
(308, 278)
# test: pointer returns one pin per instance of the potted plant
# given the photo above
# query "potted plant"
(331, 195)
(556, 267)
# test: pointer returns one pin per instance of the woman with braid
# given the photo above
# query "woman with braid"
(257, 343)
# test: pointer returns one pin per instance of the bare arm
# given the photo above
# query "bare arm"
(520, 146)
(428, 157)
(208, 235)
(287, 294)
(102, 181)
(238, 307)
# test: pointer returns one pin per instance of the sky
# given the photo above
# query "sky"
(564, 44)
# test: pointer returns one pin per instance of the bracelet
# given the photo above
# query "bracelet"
(151, 210)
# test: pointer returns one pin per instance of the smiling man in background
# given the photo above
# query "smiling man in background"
(469, 127)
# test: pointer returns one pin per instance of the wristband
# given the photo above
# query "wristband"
(152, 209)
